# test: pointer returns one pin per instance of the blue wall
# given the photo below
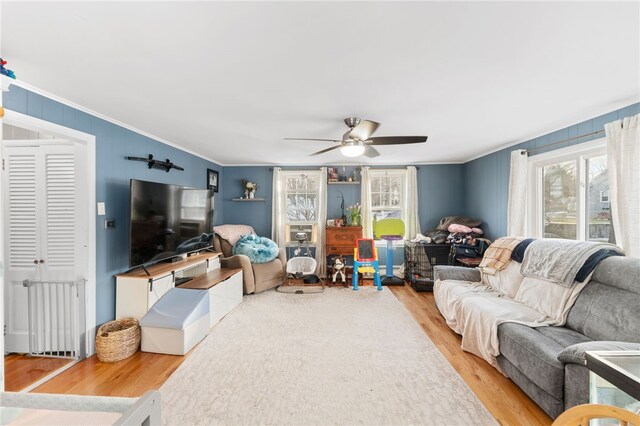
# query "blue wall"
(488, 177)
(113, 172)
(441, 193)
(478, 188)
(256, 214)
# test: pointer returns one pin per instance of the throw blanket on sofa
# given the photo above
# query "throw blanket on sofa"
(559, 260)
(257, 249)
(475, 310)
(498, 255)
(232, 233)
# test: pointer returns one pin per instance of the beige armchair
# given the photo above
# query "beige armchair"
(256, 277)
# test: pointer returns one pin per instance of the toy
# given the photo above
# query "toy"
(365, 259)
(5, 71)
(390, 230)
(338, 270)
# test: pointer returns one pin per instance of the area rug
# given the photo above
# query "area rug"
(339, 357)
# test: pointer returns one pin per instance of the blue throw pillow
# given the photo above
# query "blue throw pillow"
(257, 249)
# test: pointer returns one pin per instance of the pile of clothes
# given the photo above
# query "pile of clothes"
(455, 230)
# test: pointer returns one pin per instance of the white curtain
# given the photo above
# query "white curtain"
(517, 202)
(321, 249)
(412, 220)
(623, 159)
(365, 203)
(279, 208)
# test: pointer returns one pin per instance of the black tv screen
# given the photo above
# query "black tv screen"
(168, 220)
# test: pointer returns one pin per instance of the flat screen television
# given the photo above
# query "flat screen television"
(167, 221)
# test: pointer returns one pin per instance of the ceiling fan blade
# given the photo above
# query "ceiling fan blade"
(363, 130)
(370, 151)
(395, 140)
(311, 139)
(324, 150)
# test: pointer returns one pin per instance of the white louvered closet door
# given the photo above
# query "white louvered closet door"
(57, 226)
(40, 205)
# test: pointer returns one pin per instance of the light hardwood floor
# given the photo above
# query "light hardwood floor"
(142, 372)
(508, 404)
(22, 370)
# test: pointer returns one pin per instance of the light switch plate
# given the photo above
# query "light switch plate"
(101, 209)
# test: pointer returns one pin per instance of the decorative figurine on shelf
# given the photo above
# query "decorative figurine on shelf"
(250, 188)
(5, 71)
(332, 174)
(338, 270)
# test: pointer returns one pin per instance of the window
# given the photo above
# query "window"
(301, 193)
(569, 193)
(387, 189)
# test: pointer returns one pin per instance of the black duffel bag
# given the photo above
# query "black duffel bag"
(466, 250)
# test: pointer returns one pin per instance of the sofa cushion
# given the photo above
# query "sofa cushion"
(448, 295)
(507, 281)
(551, 405)
(619, 272)
(457, 273)
(606, 312)
(533, 354)
(563, 336)
(551, 299)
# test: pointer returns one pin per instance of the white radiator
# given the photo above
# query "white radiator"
(56, 318)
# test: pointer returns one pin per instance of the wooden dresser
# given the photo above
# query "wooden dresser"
(342, 239)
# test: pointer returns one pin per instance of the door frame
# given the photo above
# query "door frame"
(89, 141)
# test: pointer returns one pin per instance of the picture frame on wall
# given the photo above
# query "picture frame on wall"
(212, 180)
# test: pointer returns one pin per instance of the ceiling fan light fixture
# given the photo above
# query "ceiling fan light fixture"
(352, 149)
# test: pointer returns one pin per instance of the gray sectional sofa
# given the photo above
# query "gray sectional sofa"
(547, 363)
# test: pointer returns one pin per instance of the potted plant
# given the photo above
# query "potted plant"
(355, 213)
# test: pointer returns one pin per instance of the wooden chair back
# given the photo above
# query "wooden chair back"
(581, 414)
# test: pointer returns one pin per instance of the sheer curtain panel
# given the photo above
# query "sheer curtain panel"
(365, 203)
(279, 209)
(321, 249)
(623, 160)
(412, 221)
(517, 201)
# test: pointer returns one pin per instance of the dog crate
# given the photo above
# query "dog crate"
(420, 258)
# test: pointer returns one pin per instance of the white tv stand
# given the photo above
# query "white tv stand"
(137, 291)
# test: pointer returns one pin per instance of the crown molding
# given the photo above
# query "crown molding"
(89, 111)
(591, 115)
(5, 82)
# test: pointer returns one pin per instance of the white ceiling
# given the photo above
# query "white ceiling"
(229, 81)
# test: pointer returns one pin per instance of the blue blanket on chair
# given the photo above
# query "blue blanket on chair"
(257, 249)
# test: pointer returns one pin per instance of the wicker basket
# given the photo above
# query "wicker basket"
(117, 340)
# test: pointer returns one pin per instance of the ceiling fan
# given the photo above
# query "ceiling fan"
(358, 141)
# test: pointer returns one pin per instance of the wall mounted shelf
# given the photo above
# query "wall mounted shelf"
(248, 199)
(355, 182)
